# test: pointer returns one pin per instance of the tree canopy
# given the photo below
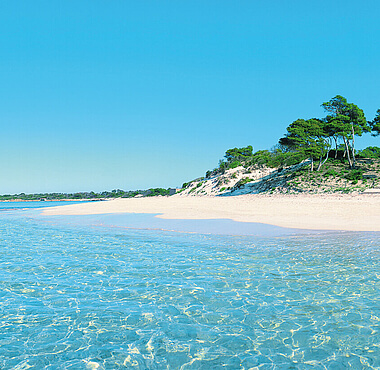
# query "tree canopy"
(345, 121)
(237, 154)
(375, 124)
(309, 137)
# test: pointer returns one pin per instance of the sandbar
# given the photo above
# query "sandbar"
(315, 212)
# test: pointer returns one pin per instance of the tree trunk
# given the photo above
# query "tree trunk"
(320, 160)
(347, 151)
(312, 165)
(353, 145)
(319, 164)
(336, 147)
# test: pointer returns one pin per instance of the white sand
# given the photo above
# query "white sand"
(329, 212)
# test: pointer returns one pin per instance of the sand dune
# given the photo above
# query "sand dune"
(329, 212)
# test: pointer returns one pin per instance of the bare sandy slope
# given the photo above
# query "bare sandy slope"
(329, 212)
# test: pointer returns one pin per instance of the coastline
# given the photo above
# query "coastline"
(50, 200)
(343, 212)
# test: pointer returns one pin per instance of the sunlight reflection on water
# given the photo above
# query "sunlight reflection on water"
(101, 298)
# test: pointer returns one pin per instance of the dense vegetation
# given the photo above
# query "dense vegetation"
(336, 176)
(90, 195)
(315, 139)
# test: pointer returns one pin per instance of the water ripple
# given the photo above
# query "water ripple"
(82, 298)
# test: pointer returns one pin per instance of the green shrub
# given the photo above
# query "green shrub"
(234, 164)
(330, 172)
(276, 158)
(237, 154)
(343, 190)
(157, 191)
(355, 174)
(222, 166)
(242, 182)
(369, 152)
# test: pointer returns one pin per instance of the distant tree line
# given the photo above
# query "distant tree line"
(117, 193)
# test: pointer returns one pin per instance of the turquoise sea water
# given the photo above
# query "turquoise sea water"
(77, 293)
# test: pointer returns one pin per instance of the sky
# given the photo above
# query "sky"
(101, 95)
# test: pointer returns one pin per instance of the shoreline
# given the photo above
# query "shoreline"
(51, 200)
(343, 212)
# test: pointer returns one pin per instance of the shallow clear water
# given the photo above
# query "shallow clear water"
(7, 206)
(82, 297)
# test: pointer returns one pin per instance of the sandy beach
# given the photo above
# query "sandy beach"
(317, 212)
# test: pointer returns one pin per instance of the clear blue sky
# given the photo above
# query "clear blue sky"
(99, 95)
